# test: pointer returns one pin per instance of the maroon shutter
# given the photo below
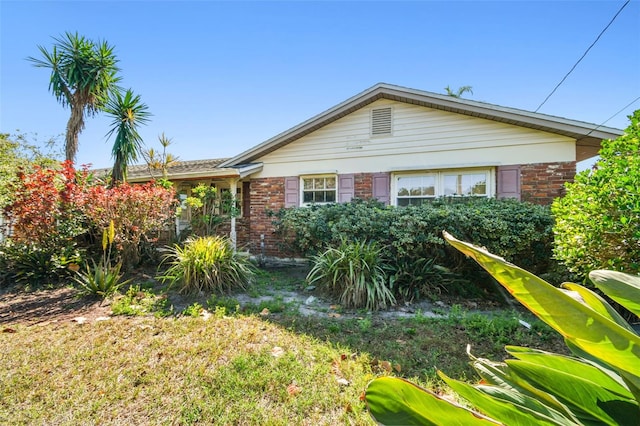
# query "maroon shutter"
(381, 187)
(292, 191)
(508, 182)
(246, 199)
(346, 188)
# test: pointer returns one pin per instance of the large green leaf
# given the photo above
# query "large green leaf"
(587, 399)
(502, 377)
(572, 366)
(395, 401)
(621, 287)
(508, 406)
(577, 322)
(598, 304)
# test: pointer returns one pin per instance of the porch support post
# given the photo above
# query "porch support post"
(233, 187)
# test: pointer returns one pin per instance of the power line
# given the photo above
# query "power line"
(605, 121)
(583, 55)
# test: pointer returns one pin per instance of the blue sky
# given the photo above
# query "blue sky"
(221, 77)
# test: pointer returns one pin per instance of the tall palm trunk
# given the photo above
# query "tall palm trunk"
(75, 125)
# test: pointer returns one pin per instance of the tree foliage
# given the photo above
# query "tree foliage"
(160, 160)
(128, 112)
(458, 93)
(83, 75)
(596, 222)
(17, 154)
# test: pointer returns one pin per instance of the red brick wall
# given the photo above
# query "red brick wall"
(363, 185)
(267, 195)
(541, 183)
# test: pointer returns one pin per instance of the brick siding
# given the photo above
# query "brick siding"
(541, 183)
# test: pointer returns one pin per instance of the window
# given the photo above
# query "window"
(416, 188)
(465, 184)
(319, 189)
(413, 190)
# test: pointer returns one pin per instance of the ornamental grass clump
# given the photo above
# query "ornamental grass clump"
(206, 264)
(354, 273)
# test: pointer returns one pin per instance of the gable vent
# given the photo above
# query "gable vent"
(381, 121)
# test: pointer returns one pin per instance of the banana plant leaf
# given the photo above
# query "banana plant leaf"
(395, 401)
(502, 377)
(598, 304)
(572, 366)
(578, 323)
(621, 287)
(586, 399)
(508, 406)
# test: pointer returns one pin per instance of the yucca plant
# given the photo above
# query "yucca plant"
(206, 264)
(354, 273)
(598, 384)
(102, 279)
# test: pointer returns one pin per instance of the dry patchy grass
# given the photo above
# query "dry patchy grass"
(151, 371)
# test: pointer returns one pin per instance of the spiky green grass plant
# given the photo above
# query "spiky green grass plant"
(206, 264)
(354, 273)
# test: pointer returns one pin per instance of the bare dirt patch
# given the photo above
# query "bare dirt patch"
(45, 306)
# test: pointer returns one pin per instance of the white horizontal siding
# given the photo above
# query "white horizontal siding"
(422, 138)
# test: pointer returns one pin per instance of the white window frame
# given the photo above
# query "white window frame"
(322, 176)
(439, 176)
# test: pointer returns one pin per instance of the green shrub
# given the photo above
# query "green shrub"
(101, 280)
(519, 232)
(598, 384)
(206, 264)
(597, 220)
(354, 273)
(34, 265)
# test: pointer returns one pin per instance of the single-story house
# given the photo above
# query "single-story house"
(401, 146)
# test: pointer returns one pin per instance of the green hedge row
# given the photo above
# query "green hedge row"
(519, 232)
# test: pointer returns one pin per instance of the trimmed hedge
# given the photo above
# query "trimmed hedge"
(519, 232)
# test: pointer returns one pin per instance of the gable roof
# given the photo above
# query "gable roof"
(588, 135)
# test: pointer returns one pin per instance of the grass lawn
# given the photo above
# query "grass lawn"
(279, 368)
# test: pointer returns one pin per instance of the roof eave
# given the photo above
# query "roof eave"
(230, 172)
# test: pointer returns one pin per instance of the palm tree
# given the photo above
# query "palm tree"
(128, 112)
(83, 74)
(160, 161)
(458, 93)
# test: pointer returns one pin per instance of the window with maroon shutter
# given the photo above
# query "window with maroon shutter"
(291, 191)
(508, 178)
(346, 188)
(381, 190)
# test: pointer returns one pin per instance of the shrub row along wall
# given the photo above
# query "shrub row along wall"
(519, 232)
(539, 183)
